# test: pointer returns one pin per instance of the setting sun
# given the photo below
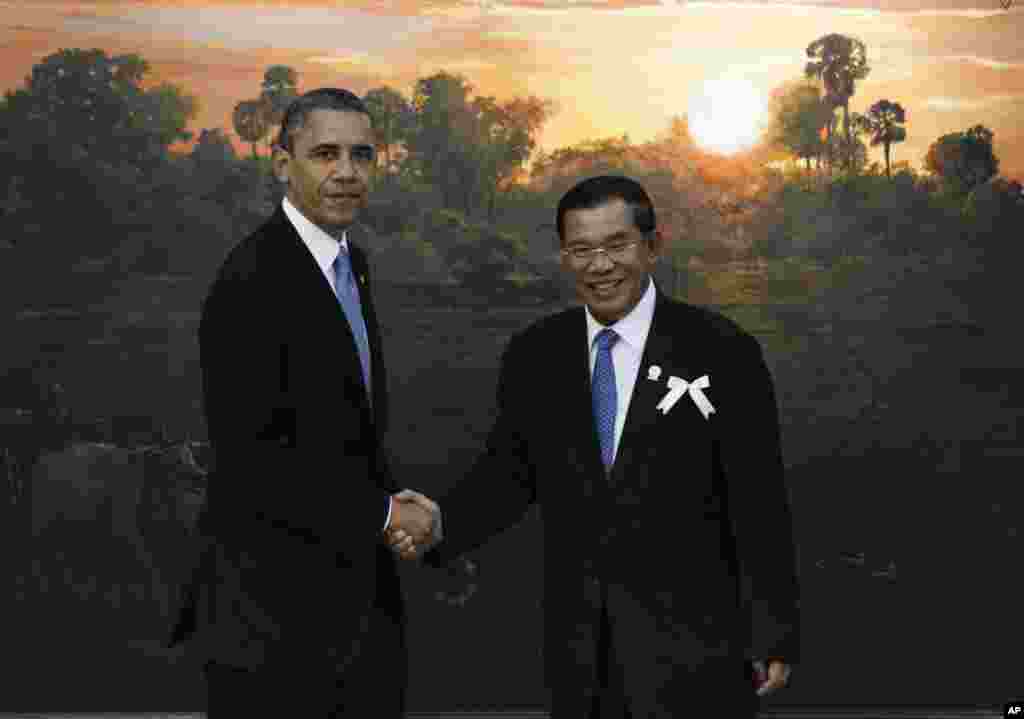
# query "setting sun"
(726, 115)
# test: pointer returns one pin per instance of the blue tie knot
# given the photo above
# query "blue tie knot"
(606, 338)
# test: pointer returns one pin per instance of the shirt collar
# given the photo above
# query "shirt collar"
(631, 329)
(325, 249)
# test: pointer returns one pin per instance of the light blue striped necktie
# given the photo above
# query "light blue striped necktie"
(604, 395)
(348, 296)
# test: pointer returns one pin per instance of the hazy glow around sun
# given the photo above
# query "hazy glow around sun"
(726, 115)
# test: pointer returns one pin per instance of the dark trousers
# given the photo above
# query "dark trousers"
(318, 687)
(610, 698)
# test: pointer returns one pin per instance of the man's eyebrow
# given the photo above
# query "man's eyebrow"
(614, 236)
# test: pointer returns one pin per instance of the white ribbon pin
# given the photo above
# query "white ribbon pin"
(653, 372)
(678, 387)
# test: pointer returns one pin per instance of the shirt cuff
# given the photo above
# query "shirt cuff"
(387, 521)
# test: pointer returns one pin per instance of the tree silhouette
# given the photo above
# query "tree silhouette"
(838, 61)
(884, 121)
(468, 148)
(798, 117)
(440, 145)
(82, 132)
(558, 169)
(278, 90)
(506, 138)
(221, 187)
(128, 70)
(166, 107)
(393, 120)
(963, 160)
(83, 101)
(675, 150)
(852, 147)
(250, 121)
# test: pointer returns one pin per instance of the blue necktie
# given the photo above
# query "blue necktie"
(348, 295)
(604, 395)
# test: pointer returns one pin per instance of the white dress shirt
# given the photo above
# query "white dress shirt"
(626, 352)
(325, 250)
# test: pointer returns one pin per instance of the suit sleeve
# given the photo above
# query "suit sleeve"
(759, 505)
(502, 483)
(260, 474)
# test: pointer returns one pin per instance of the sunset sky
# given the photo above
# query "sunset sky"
(614, 67)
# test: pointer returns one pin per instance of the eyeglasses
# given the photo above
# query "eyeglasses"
(617, 252)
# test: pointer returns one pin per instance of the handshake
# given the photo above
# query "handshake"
(415, 525)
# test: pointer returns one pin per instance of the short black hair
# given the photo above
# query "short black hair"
(596, 191)
(324, 98)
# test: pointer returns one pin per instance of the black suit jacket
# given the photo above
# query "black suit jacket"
(290, 560)
(690, 535)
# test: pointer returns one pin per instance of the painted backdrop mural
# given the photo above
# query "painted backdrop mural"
(842, 178)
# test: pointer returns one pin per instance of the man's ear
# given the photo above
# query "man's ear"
(657, 243)
(279, 161)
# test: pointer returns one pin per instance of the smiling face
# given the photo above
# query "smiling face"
(610, 288)
(329, 167)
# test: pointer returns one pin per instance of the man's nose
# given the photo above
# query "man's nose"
(602, 262)
(344, 167)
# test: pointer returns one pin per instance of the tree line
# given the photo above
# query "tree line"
(806, 119)
(85, 138)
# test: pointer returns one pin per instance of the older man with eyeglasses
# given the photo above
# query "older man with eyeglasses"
(647, 430)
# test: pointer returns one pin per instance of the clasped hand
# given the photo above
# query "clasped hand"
(415, 524)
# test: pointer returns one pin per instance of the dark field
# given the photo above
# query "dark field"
(904, 469)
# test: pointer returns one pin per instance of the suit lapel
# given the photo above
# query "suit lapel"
(580, 399)
(666, 348)
(322, 302)
(361, 272)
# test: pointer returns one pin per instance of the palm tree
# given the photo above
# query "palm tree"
(884, 121)
(278, 90)
(839, 61)
(854, 149)
(250, 120)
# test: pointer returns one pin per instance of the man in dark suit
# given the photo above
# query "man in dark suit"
(295, 606)
(647, 431)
